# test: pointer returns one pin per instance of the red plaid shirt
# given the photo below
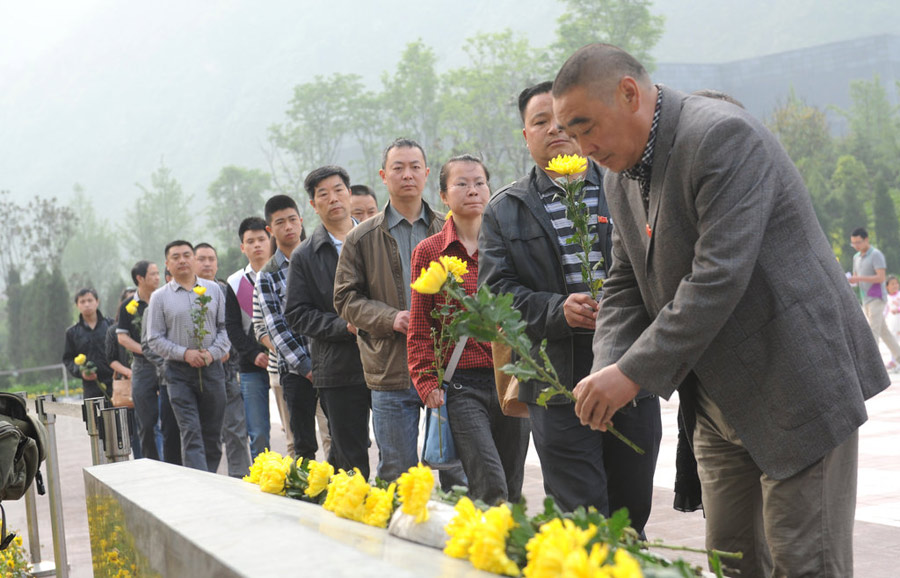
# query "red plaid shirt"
(419, 345)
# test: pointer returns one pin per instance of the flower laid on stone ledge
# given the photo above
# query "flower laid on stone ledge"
(502, 539)
(415, 488)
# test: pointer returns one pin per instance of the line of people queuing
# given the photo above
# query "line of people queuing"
(709, 248)
(331, 325)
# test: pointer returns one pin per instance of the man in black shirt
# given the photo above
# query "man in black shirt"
(88, 338)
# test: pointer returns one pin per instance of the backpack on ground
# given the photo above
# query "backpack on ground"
(23, 442)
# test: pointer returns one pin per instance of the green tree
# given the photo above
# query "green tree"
(318, 121)
(850, 183)
(161, 214)
(479, 102)
(411, 104)
(628, 24)
(874, 123)
(887, 227)
(236, 194)
(92, 258)
(804, 133)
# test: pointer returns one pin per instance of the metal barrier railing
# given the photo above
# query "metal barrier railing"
(59, 366)
(109, 429)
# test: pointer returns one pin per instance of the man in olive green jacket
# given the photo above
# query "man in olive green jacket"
(372, 293)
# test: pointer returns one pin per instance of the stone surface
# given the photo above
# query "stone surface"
(189, 523)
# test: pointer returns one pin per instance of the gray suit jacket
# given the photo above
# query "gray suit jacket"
(736, 282)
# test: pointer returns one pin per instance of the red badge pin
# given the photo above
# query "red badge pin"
(602, 219)
(649, 230)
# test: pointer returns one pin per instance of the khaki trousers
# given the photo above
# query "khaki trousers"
(799, 527)
(875, 314)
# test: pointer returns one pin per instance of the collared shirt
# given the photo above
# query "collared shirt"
(571, 261)
(643, 171)
(407, 235)
(271, 288)
(420, 346)
(338, 244)
(170, 325)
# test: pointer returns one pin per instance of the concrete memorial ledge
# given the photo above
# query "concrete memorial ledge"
(157, 519)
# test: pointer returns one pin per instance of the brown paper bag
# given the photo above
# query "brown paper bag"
(507, 386)
(121, 395)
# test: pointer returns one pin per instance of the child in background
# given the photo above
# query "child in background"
(892, 306)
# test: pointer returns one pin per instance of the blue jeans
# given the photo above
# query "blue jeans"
(395, 419)
(255, 391)
(198, 411)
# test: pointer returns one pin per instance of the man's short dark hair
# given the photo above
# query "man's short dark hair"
(139, 270)
(279, 203)
(860, 232)
(177, 243)
(600, 66)
(362, 191)
(206, 246)
(251, 224)
(526, 95)
(402, 143)
(318, 175)
(466, 158)
(84, 291)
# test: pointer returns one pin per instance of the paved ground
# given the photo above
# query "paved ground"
(877, 532)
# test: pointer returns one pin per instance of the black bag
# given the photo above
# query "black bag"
(23, 442)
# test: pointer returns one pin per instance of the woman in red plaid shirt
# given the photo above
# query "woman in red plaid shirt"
(491, 446)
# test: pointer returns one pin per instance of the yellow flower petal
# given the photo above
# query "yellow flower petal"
(454, 265)
(80, 359)
(199, 289)
(449, 215)
(132, 307)
(567, 165)
(414, 488)
(431, 280)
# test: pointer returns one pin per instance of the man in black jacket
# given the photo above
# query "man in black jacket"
(336, 366)
(524, 250)
(88, 338)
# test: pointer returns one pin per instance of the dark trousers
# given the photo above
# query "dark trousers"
(199, 409)
(347, 408)
(151, 406)
(583, 467)
(301, 401)
(491, 446)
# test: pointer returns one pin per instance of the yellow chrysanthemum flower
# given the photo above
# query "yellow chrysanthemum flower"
(414, 488)
(80, 359)
(449, 215)
(257, 467)
(379, 506)
(625, 566)
(274, 472)
(578, 564)
(18, 540)
(567, 165)
(319, 475)
(454, 265)
(347, 495)
(199, 289)
(132, 307)
(488, 549)
(430, 280)
(548, 549)
(461, 528)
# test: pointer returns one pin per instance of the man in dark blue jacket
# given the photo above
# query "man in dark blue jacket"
(336, 366)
